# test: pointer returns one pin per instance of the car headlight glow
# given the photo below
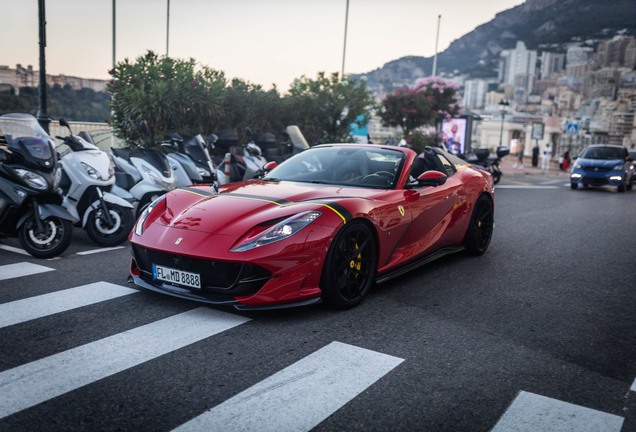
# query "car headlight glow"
(34, 180)
(575, 176)
(139, 227)
(203, 172)
(616, 178)
(92, 172)
(281, 230)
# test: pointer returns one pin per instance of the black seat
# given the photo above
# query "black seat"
(351, 168)
(126, 153)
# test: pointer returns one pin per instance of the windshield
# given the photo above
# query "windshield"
(195, 148)
(605, 153)
(297, 137)
(24, 129)
(370, 167)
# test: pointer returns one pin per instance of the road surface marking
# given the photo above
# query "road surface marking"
(93, 251)
(15, 249)
(17, 270)
(48, 304)
(300, 396)
(530, 412)
(36, 382)
(524, 187)
(567, 184)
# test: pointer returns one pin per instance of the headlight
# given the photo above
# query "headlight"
(92, 172)
(578, 166)
(139, 227)
(281, 231)
(576, 176)
(203, 172)
(618, 167)
(169, 185)
(58, 176)
(34, 180)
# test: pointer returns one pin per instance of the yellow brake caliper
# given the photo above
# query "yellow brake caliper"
(357, 265)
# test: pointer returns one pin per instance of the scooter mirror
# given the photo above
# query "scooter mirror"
(248, 132)
(212, 139)
(143, 128)
(269, 166)
(64, 123)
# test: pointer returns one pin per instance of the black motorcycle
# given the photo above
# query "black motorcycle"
(481, 160)
(30, 199)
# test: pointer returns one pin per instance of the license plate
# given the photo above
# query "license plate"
(174, 276)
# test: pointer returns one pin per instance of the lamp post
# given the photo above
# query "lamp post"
(503, 105)
(43, 114)
(344, 48)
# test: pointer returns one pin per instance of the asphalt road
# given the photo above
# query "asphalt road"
(546, 315)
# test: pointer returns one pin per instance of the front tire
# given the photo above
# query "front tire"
(621, 187)
(350, 266)
(480, 227)
(114, 234)
(574, 185)
(52, 241)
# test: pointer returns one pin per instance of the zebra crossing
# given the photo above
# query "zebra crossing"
(298, 397)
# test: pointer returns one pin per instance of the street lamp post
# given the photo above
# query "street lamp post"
(503, 104)
(43, 114)
(344, 49)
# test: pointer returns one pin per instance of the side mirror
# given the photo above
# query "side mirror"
(432, 178)
(211, 139)
(143, 128)
(269, 166)
(248, 132)
(64, 123)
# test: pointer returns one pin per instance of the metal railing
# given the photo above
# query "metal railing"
(102, 133)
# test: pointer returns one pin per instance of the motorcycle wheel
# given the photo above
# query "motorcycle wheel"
(110, 235)
(52, 241)
(496, 176)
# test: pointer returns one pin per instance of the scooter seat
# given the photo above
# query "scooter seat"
(126, 153)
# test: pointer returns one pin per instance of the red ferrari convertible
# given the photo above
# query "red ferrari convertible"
(324, 224)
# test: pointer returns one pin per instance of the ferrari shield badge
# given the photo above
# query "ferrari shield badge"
(401, 209)
(178, 241)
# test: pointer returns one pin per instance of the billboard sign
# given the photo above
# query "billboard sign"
(454, 135)
(537, 131)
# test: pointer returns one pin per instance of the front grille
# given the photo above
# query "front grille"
(214, 274)
(596, 180)
(596, 169)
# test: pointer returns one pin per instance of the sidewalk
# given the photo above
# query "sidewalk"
(508, 170)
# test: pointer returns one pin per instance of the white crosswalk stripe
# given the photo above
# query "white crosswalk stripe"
(48, 304)
(300, 396)
(11, 271)
(33, 383)
(94, 251)
(531, 412)
(15, 250)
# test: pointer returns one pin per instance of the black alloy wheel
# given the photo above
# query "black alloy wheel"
(54, 238)
(110, 234)
(480, 228)
(350, 266)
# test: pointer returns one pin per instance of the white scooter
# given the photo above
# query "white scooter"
(141, 175)
(87, 179)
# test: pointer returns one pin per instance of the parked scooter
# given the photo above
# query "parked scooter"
(482, 160)
(294, 144)
(87, 179)
(30, 199)
(244, 161)
(191, 162)
(141, 175)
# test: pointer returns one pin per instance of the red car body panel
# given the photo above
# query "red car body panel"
(407, 224)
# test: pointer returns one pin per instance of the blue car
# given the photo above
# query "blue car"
(603, 165)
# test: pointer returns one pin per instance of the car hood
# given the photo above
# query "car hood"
(238, 207)
(601, 163)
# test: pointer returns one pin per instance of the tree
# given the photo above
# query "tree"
(171, 95)
(327, 106)
(427, 103)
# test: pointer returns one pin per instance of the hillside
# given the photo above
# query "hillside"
(535, 22)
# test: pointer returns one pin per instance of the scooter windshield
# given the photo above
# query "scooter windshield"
(195, 148)
(23, 130)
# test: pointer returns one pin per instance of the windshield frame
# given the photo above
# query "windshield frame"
(396, 165)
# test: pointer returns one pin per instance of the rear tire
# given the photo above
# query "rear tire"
(574, 185)
(496, 177)
(350, 266)
(51, 242)
(480, 227)
(109, 236)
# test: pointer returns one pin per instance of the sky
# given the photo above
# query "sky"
(263, 41)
